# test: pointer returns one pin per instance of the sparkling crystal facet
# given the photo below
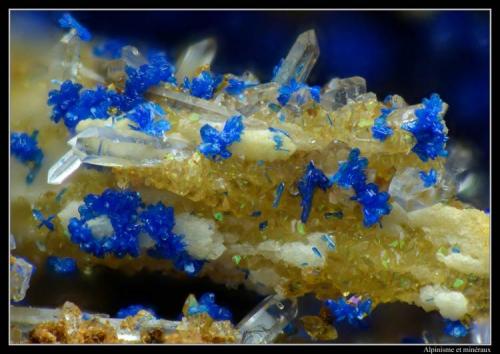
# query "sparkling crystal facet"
(67, 52)
(408, 190)
(339, 91)
(196, 105)
(199, 54)
(64, 167)
(267, 320)
(300, 59)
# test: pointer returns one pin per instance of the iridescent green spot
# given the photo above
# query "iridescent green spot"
(236, 259)
(394, 244)
(300, 228)
(219, 216)
(458, 283)
(385, 263)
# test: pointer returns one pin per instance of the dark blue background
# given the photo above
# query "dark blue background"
(411, 53)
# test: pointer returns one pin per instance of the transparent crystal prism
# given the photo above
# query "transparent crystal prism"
(115, 72)
(105, 146)
(300, 59)
(460, 159)
(266, 321)
(64, 167)
(196, 55)
(338, 91)
(259, 97)
(65, 64)
(115, 69)
(181, 100)
(108, 147)
(91, 75)
(408, 190)
(20, 275)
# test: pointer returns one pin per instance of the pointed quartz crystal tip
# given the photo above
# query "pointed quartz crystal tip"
(64, 167)
(199, 54)
(65, 64)
(266, 321)
(109, 147)
(300, 59)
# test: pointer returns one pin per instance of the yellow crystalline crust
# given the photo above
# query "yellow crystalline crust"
(392, 263)
(409, 259)
(240, 185)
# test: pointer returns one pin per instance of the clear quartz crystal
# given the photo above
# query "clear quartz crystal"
(460, 159)
(64, 167)
(300, 59)
(66, 63)
(182, 100)
(91, 75)
(407, 189)
(266, 321)
(115, 69)
(339, 91)
(20, 275)
(258, 98)
(199, 54)
(108, 147)
(115, 72)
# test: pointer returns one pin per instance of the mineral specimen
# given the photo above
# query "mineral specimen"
(285, 188)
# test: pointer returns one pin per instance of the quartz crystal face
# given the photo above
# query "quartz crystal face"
(285, 189)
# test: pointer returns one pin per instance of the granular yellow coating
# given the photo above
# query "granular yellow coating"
(407, 258)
